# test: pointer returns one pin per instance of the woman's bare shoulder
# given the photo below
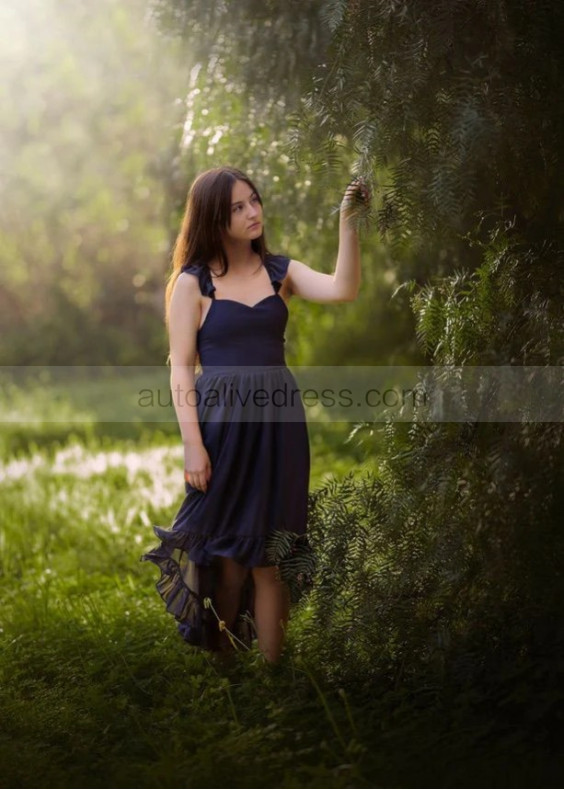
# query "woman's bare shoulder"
(187, 289)
(188, 280)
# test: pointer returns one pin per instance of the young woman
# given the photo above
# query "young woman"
(246, 458)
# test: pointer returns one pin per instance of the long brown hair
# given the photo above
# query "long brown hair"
(207, 214)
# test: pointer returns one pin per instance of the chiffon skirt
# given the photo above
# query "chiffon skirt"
(255, 509)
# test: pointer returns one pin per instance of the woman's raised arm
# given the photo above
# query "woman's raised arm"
(343, 284)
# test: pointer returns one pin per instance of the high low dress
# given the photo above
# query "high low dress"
(253, 426)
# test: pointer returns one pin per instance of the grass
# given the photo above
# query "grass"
(98, 690)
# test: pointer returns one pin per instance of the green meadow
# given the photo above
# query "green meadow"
(98, 690)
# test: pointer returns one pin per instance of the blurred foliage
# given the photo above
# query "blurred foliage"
(453, 99)
(116, 122)
(270, 47)
(87, 105)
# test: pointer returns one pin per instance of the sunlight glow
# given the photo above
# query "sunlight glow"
(163, 464)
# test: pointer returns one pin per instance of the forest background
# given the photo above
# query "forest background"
(431, 647)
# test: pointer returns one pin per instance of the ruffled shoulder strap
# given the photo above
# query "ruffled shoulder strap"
(277, 266)
(202, 272)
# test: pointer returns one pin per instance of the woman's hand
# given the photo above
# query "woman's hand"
(356, 199)
(197, 466)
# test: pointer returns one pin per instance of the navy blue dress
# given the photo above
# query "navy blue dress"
(254, 429)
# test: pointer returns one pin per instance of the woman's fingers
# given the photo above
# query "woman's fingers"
(358, 189)
(357, 194)
(198, 480)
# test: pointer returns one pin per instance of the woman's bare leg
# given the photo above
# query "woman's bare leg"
(228, 594)
(272, 607)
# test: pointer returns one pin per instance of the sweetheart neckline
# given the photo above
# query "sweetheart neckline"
(235, 301)
(250, 306)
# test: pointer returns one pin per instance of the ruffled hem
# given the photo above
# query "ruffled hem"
(190, 575)
(247, 550)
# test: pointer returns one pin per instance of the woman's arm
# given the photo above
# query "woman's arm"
(343, 284)
(184, 319)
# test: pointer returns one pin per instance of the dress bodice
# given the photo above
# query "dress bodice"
(235, 333)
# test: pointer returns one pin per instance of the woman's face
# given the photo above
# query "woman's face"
(246, 213)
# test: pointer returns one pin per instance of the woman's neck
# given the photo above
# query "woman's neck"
(241, 257)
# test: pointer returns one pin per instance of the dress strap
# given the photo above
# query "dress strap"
(202, 272)
(277, 266)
